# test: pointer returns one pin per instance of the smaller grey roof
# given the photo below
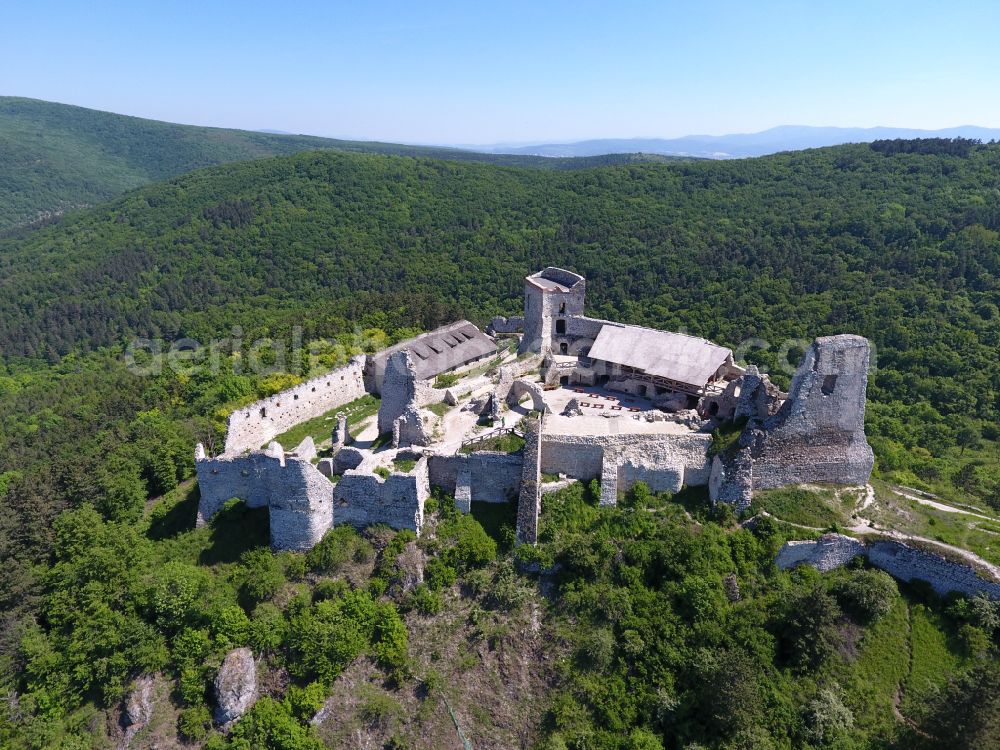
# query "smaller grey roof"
(676, 356)
(442, 349)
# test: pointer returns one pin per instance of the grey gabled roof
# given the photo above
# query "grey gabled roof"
(676, 356)
(441, 350)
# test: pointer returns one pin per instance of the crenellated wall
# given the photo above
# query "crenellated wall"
(253, 426)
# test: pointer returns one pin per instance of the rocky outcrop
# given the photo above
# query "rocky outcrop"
(410, 564)
(138, 709)
(235, 686)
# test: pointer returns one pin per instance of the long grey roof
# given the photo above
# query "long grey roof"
(676, 356)
(442, 349)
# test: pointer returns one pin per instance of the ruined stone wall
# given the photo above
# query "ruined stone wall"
(908, 563)
(580, 327)
(512, 324)
(298, 495)
(575, 457)
(245, 476)
(361, 498)
(253, 426)
(818, 435)
(529, 503)
(399, 390)
(300, 507)
(664, 462)
(899, 560)
(491, 477)
(828, 552)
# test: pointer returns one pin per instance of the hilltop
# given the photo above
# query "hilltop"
(664, 618)
(55, 157)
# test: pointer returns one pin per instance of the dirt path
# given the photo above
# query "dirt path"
(901, 491)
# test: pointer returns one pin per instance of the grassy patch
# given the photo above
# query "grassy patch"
(506, 443)
(319, 428)
(446, 379)
(440, 408)
(725, 437)
(382, 471)
(957, 529)
(404, 465)
(382, 441)
(935, 657)
(816, 508)
(883, 663)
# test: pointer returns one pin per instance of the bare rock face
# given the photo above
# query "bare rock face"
(411, 567)
(139, 706)
(138, 710)
(235, 686)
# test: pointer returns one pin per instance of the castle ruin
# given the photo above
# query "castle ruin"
(592, 399)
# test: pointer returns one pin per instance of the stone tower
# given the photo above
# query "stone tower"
(551, 299)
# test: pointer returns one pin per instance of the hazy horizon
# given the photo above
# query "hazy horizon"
(521, 74)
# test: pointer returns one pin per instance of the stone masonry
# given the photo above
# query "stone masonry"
(817, 435)
(899, 560)
(529, 504)
(250, 427)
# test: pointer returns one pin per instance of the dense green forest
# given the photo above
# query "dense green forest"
(649, 646)
(55, 157)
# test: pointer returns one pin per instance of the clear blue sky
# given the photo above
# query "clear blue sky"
(473, 72)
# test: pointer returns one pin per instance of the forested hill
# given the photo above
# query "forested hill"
(55, 157)
(902, 248)
(104, 576)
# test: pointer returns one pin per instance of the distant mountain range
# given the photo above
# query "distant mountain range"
(57, 157)
(783, 138)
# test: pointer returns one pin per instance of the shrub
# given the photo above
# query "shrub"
(330, 588)
(295, 566)
(474, 548)
(270, 724)
(378, 709)
(439, 575)
(231, 626)
(194, 723)
(175, 594)
(425, 601)
(868, 594)
(338, 545)
(827, 718)
(808, 634)
(268, 629)
(259, 575)
(304, 702)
